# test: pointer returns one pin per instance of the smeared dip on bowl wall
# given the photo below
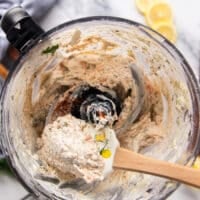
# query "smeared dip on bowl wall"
(141, 84)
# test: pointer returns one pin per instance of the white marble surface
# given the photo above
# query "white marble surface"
(187, 19)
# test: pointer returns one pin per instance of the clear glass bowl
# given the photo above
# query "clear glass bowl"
(156, 56)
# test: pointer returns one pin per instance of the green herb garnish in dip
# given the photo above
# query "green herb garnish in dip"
(50, 49)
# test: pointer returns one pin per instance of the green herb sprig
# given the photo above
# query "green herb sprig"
(50, 49)
(105, 144)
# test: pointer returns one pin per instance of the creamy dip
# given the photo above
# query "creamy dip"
(72, 145)
(154, 116)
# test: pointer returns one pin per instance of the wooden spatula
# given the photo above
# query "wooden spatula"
(128, 160)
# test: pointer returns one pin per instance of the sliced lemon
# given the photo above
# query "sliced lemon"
(197, 163)
(143, 5)
(168, 30)
(159, 12)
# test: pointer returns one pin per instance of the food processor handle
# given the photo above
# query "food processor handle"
(20, 28)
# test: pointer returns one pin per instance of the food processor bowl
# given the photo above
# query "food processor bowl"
(156, 60)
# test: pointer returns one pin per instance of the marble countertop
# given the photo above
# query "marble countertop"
(187, 19)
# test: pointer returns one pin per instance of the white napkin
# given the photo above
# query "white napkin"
(36, 8)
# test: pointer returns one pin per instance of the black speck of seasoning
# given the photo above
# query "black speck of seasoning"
(186, 114)
(149, 190)
(129, 92)
(70, 57)
(35, 75)
(37, 121)
(190, 134)
(152, 113)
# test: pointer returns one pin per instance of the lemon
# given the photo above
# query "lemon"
(106, 153)
(158, 15)
(159, 12)
(168, 30)
(100, 137)
(143, 5)
(197, 163)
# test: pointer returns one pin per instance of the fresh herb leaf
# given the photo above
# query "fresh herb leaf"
(105, 144)
(50, 49)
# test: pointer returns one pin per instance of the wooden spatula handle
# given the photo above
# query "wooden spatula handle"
(125, 159)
